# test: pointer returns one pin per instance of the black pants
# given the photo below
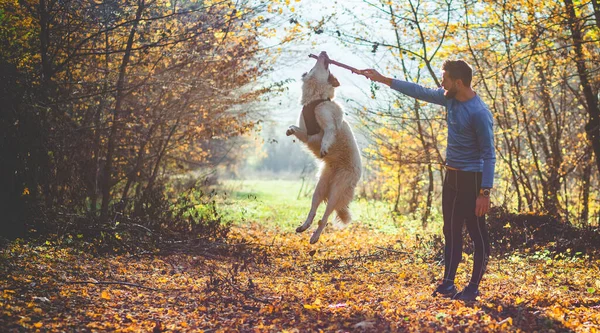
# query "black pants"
(459, 195)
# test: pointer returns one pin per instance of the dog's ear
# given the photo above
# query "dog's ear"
(333, 81)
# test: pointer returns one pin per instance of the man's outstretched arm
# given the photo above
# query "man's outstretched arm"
(413, 90)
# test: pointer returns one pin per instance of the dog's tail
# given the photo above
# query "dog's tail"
(343, 215)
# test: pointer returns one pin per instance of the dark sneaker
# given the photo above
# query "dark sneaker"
(468, 294)
(445, 289)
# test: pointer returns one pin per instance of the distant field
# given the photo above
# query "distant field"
(276, 203)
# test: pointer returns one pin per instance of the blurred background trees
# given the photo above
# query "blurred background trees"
(101, 100)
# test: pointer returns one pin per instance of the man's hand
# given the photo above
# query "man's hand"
(482, 205)
(374, 75)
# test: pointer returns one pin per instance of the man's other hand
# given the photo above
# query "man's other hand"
(482, 205)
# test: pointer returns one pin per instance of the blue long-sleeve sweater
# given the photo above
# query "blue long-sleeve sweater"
(470, 130)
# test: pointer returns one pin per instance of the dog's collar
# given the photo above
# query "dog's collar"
(310, 119)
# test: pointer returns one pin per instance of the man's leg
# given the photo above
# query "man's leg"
(452, 233)
(479, 235)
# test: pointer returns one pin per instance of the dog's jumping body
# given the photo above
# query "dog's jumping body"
(333, 142)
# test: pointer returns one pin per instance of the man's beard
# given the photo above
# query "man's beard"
(450, 94)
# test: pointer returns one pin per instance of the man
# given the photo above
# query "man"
(470, 163)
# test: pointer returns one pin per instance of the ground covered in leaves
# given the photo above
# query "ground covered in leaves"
(264, 279)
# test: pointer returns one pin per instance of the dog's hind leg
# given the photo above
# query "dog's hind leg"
(318, 196)
(333, 200)
(323, 222)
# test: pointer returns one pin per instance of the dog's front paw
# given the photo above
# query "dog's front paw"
(291, 130)
(323, 152)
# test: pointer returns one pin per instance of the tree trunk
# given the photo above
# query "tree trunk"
(596, 12)
(551, 150)
(107, 182)
(585, 200)
(413, 203)
(44, 42)
(427, 211)
(162, 151)
(133, 174)
(593, 126)
(95, 160)
(397, 202)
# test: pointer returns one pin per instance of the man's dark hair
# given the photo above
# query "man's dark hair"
(459, 69)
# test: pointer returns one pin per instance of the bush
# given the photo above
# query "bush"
(509, 231)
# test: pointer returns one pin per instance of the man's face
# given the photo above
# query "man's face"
(449, 85)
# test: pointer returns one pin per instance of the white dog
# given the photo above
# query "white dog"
(328, 136)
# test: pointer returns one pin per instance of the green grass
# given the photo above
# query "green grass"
(271, 203)
(277, 204)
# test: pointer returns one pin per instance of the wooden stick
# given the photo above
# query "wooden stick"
(352, 69)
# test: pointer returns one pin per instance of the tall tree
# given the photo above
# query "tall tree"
(591, 95)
